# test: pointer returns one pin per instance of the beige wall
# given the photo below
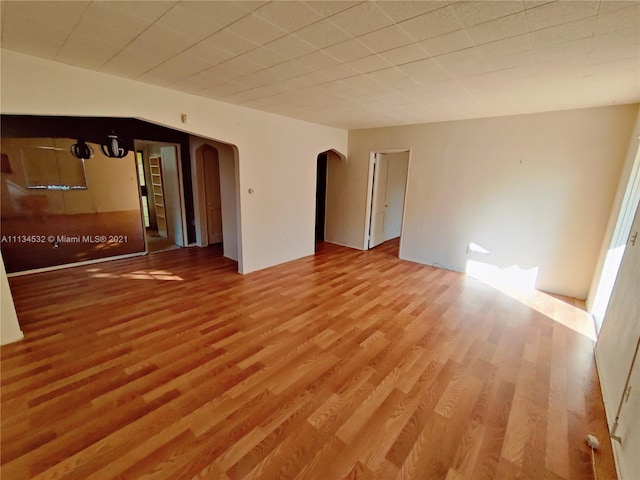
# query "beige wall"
(277, 156)
(536, 190)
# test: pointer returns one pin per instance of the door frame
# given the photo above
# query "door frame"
(367, 216)
(612, 353)
(181, 203)
(199, 198)
(205, 230)
(617, 245)
(323, 195)
(140, 144)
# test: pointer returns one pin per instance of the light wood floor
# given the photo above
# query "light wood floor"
(348, 364)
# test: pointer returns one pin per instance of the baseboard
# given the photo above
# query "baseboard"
(343, 245)
(75, 264)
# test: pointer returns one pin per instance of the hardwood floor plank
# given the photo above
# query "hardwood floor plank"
(358, 472)
(533, 458)
(557, 442)
(580, 455)
(76, 440)
(291, 417)
(515, 438)
(412, 430)
(347, 364)
(490, 452)
(332, 414)
(385, 470)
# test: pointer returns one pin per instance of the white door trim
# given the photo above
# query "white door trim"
(141, 144)
(617, 245)
(367, 217)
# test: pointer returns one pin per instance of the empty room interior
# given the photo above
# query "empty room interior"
(320, 240)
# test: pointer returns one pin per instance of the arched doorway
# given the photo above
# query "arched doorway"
(216, 196)
(321, 197)
(213, 201)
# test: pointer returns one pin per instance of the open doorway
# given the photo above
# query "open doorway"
(217, 196)
(161, 196)
(213, 201)
(321, 197)
(386, 198)
(330, 175)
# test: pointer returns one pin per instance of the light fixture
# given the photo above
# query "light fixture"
(81, 149)
(114, 147)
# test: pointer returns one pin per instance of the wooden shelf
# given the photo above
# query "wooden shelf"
(155, 165)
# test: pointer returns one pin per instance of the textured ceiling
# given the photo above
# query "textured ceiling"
(351, 64)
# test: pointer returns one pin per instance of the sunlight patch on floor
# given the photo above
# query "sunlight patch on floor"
(137, 275)
(519, 284)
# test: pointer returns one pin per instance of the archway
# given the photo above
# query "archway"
(228, 214)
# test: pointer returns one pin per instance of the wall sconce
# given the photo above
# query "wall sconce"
(81, 149)
(114, 147)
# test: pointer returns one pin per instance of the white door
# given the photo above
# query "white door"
(394, 198)
(614, 255)
(378, 199)
(615, 350)
(172, 194)
(629, 428)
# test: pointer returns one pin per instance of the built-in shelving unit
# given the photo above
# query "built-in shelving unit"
(155, 165)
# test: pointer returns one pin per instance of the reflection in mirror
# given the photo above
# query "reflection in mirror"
(57, 209)
(47, 165)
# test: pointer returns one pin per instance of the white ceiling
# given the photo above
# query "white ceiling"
(351, 64)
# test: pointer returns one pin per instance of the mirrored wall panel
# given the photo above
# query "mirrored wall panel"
(57, 209)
